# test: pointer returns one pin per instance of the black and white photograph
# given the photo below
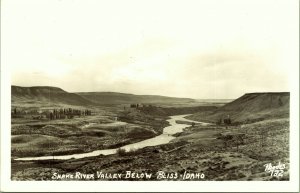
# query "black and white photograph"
(147, 92)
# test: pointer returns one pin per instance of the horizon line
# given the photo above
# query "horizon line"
(246, 93)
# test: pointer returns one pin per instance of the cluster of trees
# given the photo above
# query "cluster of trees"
(68, 113)
(61, 113)
(226, 121)
(18, 111)
(134, 105)
(139, 105)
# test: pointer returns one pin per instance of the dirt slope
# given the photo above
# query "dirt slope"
(251, 107)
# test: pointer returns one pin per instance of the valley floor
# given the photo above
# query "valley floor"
(31, 138)
(219, 152)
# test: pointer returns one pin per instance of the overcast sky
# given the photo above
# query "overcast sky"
(184, 48)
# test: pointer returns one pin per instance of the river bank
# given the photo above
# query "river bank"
(198, 149)
(164, 138)
(235, 152)
(80, 134)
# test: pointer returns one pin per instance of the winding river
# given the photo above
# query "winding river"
(164, 138)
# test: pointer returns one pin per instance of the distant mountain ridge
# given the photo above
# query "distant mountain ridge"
(124, 98)
(55, 95)
(46, 94)
(251, 106)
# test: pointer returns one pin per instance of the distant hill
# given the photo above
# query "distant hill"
(46, 94)
(122, 98)
(54, 95)
(251, 107)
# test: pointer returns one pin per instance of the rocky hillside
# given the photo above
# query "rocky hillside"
(46, 95)
(251, 107)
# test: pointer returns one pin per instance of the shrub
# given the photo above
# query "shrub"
(121, 152)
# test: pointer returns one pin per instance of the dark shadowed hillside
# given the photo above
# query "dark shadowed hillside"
(251, 107)
(122, 98)
(46, 95)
